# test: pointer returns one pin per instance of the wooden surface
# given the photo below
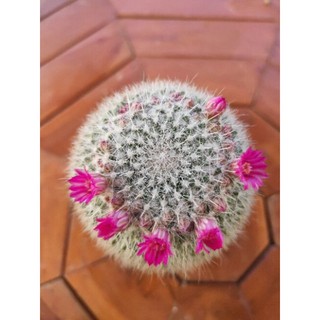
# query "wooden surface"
(91, 49)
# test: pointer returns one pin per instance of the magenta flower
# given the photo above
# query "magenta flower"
(113, 223)
(156, 247)
(215, 106)
(209, 236)
(85, 185)
(250, 168)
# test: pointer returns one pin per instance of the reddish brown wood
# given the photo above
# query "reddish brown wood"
(47, 7)
(267, 98)
(274, 58)
(274, 213)
(71, 24)
(114, 293)
(82, 250)
(202, 9)
(234, 262)
(262, 287)
(54, 215)
(236, 80)
(216, 301)
(202, 39)
(58, 302)
(81, 67)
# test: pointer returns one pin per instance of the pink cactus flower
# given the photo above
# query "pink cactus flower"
(85, 185)
(156, 247)
(251, 168)
(113, 223)
(215, 106)
(209, 236)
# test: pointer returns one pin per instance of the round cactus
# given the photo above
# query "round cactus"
(163, 176)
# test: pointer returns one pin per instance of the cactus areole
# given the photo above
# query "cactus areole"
(163, 176)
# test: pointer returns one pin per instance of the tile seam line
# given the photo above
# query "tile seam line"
(244, 301)
(76, 41)
(79, 299)
(83, 92)
(196, 57)
(52, 280)
(85, 266)
(55, 10)
(260, 80)
(67, 239)
(213, 19)
(268, 221)
(204, 283)
(260, 115)
(255, 263)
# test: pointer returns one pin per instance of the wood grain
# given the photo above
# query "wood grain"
(78, 69)
(201, 39)
(54, 215)
(71, 24)
(58, 302)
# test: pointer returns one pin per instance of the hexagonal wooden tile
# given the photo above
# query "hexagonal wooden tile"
(204, 9)
(80, 18)
(172, 38)
(236, 80)
(58, 302)
(115, 293)
(57, 134)
(267, 139)
(54, 215)
(274, 214)
(82, 250)
(214, 301)
(267, 98)
(75, 71)
(262, 287)
(233, 263)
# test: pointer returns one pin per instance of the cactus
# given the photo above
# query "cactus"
(165, 176)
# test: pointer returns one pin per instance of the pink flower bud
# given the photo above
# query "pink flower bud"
(215, 106)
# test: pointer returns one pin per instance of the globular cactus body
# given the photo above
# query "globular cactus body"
(176, 182)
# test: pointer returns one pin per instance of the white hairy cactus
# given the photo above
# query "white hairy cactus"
(159, 161)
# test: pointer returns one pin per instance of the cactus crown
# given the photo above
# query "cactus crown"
(167, 153)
